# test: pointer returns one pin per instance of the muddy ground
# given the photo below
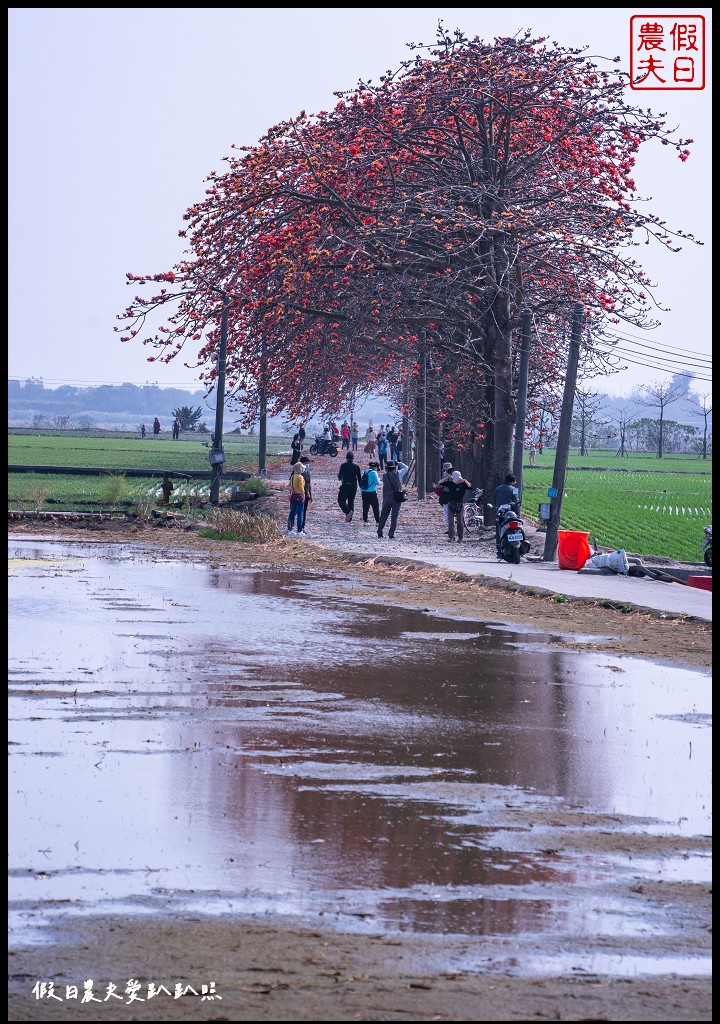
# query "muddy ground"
(652, 634)
(275, 971)
(269, 968)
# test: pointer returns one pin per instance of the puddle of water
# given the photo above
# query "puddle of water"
(187, 735)
(605, 963)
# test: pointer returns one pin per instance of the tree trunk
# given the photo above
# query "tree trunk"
(421, 431)
(262, 435)
(500, 337)
(432, 467)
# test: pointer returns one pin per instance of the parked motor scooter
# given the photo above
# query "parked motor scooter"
(323, 446)
(706, 547)
(512, 534)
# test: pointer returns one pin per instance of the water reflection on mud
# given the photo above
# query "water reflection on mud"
(191, 735)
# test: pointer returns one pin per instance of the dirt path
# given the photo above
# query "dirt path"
(274, 971)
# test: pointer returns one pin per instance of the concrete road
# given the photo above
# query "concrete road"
(639, 592)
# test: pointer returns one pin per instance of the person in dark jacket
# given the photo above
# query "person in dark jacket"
(296, 447)
(390, 504)
(505, 494)
(442, 492)
(392, 438)
(456, 487)
(349, 477)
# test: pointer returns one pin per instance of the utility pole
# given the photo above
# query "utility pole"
(421, 441)
(522, 401)
(406, 427)
(262, 432)
(563, 441)
(217, 452)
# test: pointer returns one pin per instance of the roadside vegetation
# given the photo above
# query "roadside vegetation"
(238, 525)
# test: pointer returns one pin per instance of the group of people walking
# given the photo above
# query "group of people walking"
(372, 487)
(386, 443)
(349, 436)
(381, 495)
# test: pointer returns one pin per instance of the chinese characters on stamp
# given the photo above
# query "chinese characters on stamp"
(667, 51)
(129, 993)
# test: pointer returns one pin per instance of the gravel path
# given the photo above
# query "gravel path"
(421, 526)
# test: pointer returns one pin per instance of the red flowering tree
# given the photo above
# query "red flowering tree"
(422, 214)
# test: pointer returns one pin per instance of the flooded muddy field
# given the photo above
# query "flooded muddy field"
(190, 739)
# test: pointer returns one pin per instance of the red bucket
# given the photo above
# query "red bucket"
(701, 582)
(573, 549)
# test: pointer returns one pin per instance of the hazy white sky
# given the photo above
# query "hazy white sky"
(116, 116)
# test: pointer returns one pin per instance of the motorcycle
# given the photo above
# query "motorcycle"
(706, 547)
(323, 446)
(512, 535)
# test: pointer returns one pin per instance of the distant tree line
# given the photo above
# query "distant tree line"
(597, 425)
(30, 403)
(599, 422)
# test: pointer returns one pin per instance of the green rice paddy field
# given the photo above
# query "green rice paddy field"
(646, 505)
(115, 452)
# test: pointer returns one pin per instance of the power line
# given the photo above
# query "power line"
(656, 366)
(646, 355)
(662, 369)
(658, 349)
(625, 335)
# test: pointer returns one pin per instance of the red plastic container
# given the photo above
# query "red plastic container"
(701, 582)
(573, 549)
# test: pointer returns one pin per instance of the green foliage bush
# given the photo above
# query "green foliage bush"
(255, 485)
(115, 489)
